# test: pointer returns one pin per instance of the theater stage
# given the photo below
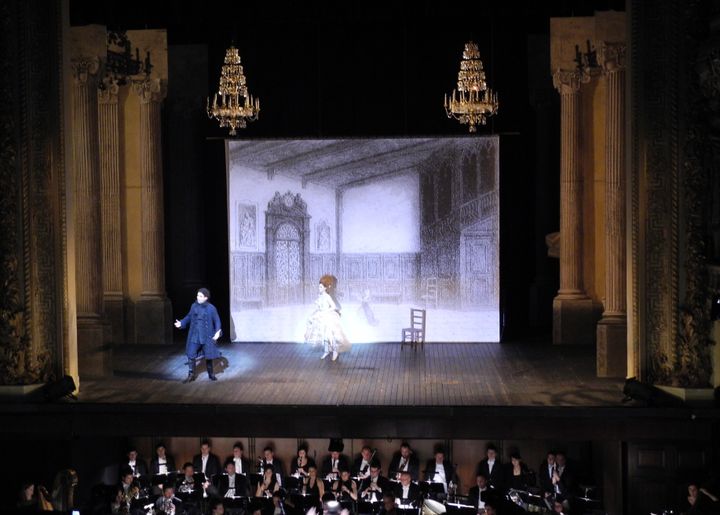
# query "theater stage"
(506, 391)
(381, 374)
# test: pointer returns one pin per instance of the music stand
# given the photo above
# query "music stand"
(406, 507)
(434, 489)
(370, 504)
(292, 483)
(164, 479)
(461, 506)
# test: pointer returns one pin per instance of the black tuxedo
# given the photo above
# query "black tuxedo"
(211, 468)
(140, 468)
(413, 466)
(383, 483)
(495, 478)
(196, 487)
(545, 478)
(567, 480)
(431, 468)
(326, 467)
(414, 493)
(242, 485)
(245, 465)
(277, 466)
(357, 466)
(155, 465)
(475, 495)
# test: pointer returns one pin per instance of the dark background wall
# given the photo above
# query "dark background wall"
(357, 69)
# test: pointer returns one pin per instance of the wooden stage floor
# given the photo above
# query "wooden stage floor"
(447, 374)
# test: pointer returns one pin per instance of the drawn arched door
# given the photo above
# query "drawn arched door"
(287, 229)
(288, 264)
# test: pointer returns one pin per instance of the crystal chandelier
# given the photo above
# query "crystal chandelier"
(472, 101)
(235, 107)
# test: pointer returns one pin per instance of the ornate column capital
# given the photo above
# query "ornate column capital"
(611, 56)
(83, 67)
(108, 91)
(150, 90)
(568, 81)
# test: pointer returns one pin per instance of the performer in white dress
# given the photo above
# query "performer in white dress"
(324, 324)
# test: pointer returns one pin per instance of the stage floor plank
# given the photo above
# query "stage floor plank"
(449, 374)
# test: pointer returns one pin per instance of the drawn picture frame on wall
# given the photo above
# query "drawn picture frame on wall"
(246, 226)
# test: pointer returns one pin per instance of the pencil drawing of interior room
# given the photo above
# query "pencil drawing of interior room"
(402, 223)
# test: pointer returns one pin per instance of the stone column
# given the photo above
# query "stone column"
(109, 134)
(612, 328)
(572, 308)
(94, 357)
(153, 322)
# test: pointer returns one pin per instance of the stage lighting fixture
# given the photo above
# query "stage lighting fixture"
(649, 394)
(60, 389)
(715, 308)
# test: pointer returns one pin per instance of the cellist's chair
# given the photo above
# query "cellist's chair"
(415, 334)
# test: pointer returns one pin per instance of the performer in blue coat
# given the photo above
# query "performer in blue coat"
(204, 331)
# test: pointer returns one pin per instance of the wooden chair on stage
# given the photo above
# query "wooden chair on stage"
(414, 335)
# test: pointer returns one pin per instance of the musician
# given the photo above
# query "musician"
(491, 467)
(312, 485)
(242, 466)
(130, 490)
(217, 507)
(546, 472)
(127, 481)
(167, 503)
(700, 501)
(232, 484)
(162, 463)
(479, 493)
(438, 470)
(187, 484)
(345, 488)
(117, 503)
(406, 489)
(388, 507)
(32, 499)
(517, 474)
(135, 463)
(491, 506)
(375, 484)
(269, 460)
(563, 479)
(404, 459)
(336, 461)
(269, 483)
(302, 462)
(361, 465)
(206, 462)
(560, 506)
(278, 503)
